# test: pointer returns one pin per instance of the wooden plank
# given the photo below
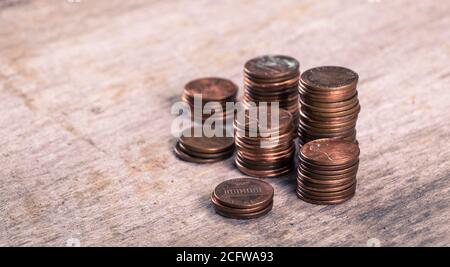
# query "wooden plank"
(85, 146)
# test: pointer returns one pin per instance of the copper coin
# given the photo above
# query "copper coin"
(333, 172)
(264, 173)
(332, 114)
(245, 216)
(307, 100)
(205, 155)
(244, 193)
(323, 188)
(329, 152)
(324, 202)
(322, 182)
(342, 193)
(183, 156)
(227, 209)
(330, 78)
(330, 196)
(271, 66)
(205, 144)
(333, 177)
(211, 88)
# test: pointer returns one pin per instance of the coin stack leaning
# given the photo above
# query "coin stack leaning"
(214, 92)
(329, 104)
(327, 171)
(272, 78)
(264, 151)
(203, 149)
(243, 198)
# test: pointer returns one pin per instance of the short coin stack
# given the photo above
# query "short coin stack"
(329, 104)
(203, 149)
(272, 79)
(210, 89)
(264, 151)
(243, 198)
(327, 171)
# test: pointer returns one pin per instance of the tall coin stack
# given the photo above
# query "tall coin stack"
(210, 89)
(329, 104)
(264, 151)
(327, 171)
(272, 79)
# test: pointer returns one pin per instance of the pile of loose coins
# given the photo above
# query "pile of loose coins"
(194, 146)
(327, 171)
(329, 104)
(320, 106)
(243, 198)
(208, 96)
(272, 79)
(264, 151)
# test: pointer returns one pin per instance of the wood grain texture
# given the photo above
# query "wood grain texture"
(85, 96)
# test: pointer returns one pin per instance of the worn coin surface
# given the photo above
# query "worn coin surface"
(329, 152)
(211, 88)
(244, 193)
(271, 66)
(329, 78)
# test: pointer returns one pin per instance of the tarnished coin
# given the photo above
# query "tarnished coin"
(271, 66)
(245, 216)
(329, 78)
(329, 152)
(211, 88)
(244, 193)
(204, 144)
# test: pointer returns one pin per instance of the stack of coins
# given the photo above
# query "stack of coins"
(203, 149)
(243, 198)
(264, 151)
(214, 92)
(327, 171)
(329, 104)
(272, 79)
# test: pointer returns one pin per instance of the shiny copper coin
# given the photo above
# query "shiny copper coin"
(342, 193)
(332, 172)
(184, 156)
(323, 188)
(205, 155)
(271, 66)
(204, 144)
(329, 152)
(330, 78)
(350, 193)
(326, 182)
(211, 88)
(324, 202)
(227, 209)
(245, 216)
(264, 173)
(343, 103)
(244, 193)
(333, 177)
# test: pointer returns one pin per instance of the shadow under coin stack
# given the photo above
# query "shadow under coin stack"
(211, 89)
(264, 151)
(329, 104)
(203, 149)
(272, 79)
(327, 171)
(243, 198)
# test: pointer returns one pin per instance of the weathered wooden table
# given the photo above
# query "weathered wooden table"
(85, 94)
